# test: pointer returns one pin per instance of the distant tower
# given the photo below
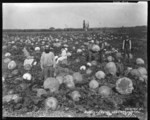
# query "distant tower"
(87, 25)
(83, 24)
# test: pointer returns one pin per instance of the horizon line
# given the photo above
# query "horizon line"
(68, 28)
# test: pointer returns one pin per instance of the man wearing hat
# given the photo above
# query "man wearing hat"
(47, 62)
(126, 47)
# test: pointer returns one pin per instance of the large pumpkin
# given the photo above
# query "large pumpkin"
(111, 68)
(142, 71)
(95, 48)
(75, 95)
(100, 75)
(139, 61)
(135, 73)
(51, 103)
(118, 55)
(15, 97)
(37, 48)
(94, 63)
(27, 67)
(6, 60)
(124, 85)
(7, 54)
(104, 91)
(60, 79)
(41, 92)
(12, 65)
(77, 77)
(93, 84)
(68, 80)
(88, 71)
(109, 58)
(52, 84)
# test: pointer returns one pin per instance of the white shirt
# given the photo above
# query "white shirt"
(63, 53)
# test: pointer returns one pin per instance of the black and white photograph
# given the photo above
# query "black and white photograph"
(75, 59)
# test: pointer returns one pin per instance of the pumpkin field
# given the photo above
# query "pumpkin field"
(80, 88)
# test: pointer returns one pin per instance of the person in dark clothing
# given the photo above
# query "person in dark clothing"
(102, 46)
(127, 47)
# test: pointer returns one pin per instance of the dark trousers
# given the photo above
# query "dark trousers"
(48, 72)
(126, 54)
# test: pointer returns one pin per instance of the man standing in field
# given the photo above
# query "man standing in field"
(47, 63)
(127, 47)
(101, 52)
(90, 52)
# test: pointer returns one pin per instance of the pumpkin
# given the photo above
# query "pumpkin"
(51, 103)
(135, 73)
(27, 67)
(88, 71)
(76, 42)
(12, 65)
(14, 47)
(69, 54)
(143, 78)
(77, 60)
(79, 50)
(93, 84)
(142, 71)
(83, 67)
(15, 72)
(89, 64)
(60, 79)
(95, 48)
(7, 54)
(100, 75)
(37, 49)
(10, 92)
(14, 97)
(7, 60)
(109, 58)
(27, 76)
(23, 86)
(41, 92)
(104, 91)
(73, 48)
(118, 55)
(52, 84)
(139, 61)
(124, 85)
(75, 95)
(111, 68)
(94, 63)
(4, 47)
(68, 80)
(77, 77)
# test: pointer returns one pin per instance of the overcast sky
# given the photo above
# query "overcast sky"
(63, 15)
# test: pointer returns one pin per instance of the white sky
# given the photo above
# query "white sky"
(62, 15)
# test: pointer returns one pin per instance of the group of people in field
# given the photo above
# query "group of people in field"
(48, 60)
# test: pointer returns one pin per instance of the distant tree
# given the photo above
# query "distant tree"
(52, 28)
